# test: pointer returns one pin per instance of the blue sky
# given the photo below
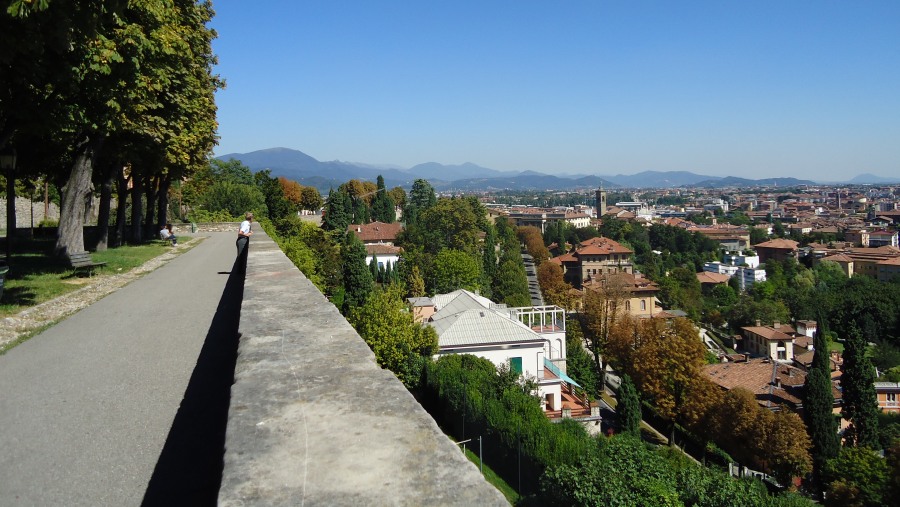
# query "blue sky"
(753, 89)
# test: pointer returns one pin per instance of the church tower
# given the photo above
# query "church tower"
(601, 202)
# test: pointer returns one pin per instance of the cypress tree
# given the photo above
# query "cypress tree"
(337, 211)
(373, 268)
(860, 403)
(629, 408)
(383, 204)
(358, 282)
(817, 407)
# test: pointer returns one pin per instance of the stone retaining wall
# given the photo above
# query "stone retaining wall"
(23, 212)
(313, 420)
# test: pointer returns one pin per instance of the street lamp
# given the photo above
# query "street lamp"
(8, 162)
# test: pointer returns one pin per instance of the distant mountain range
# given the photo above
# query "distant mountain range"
(306, 170)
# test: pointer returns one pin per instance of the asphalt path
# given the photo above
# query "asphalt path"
(86, 407)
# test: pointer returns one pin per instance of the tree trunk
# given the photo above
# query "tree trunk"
(163, 199)
(105, 202)
(121, 206)
(150, 202)
(137, 207)
(10, 210)
(70, 235)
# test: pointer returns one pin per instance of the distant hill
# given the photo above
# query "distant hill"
(525, 181)
(734, 181)
(435, 171)
(306, 170)
(659, 179)
(871, 178)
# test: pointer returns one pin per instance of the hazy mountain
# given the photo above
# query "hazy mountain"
(299, 166)
(306, 170)
(526, 181)
(659, 179)
(734, 181)
(871, 178)
(435, 171)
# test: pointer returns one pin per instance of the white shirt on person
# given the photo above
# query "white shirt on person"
(245, 227)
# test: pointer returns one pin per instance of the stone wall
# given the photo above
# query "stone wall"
(23, 212)
(313, 419)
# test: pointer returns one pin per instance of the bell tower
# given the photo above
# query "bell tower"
(601, 201)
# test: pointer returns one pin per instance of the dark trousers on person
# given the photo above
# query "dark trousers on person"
(242, 242)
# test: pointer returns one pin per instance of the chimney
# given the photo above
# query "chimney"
(758, 323)
(776, 325)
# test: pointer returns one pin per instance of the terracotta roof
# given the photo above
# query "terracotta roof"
(602, 246)
(780, 243)
(894, 261)
(838, 258)
(714, 278)
(376, 231)
(382, 249)
(756, 376)
(566, 257)
(628, 281)
(768, 333)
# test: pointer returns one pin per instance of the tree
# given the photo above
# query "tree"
(277, 205)
(383, 204)
(629, 408)
(510, 284)
(818, 403)
(860, 403)
(310, 199)
(358, 281)
(399, 344)
(234, 199)
(553, 288)
(292, 191)
(454, 269)
(415, 283)
(758, 235)
(668, 367)
(450, 223)
(788, 447)
(602, 307)
(857, 476)
(579, 364)
(488, 261)
(421, 198)
(534, 244)
(398, 195)
(337, 211)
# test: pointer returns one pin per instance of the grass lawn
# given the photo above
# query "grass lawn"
(511, 495)
(35, 276)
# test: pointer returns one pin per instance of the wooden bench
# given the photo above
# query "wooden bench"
(82, 260)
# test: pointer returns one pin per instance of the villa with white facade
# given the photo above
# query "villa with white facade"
(530, 340)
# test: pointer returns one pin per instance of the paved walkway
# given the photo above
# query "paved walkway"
(88, 408)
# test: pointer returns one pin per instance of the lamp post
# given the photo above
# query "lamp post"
(8, 162)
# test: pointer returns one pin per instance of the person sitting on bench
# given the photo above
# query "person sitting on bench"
(166, 234)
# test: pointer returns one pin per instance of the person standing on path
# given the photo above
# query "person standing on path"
(244, 233)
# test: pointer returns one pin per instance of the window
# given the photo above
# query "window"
(892, 397)
(627, 306)
(643, 305)
(515, 364)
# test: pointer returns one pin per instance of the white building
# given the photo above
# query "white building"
(531, 340)
(746, 276)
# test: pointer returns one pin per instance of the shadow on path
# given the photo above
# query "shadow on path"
(189, 470)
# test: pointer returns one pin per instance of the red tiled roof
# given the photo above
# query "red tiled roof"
(755, 376)
(376, 231)
(767, 333)
(779, 243)
(714, 278)
(382, 249)
(601, 246)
